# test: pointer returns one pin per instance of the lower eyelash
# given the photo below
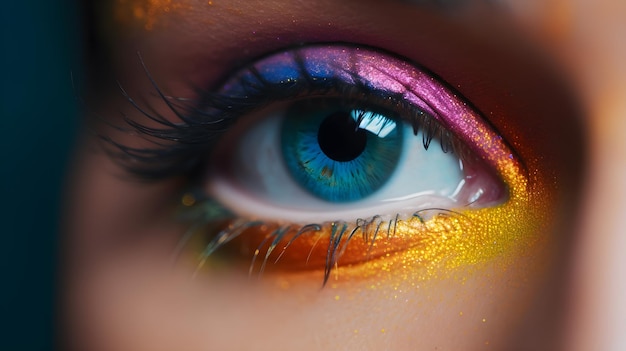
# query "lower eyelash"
(211, 220)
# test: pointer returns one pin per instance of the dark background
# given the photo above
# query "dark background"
(41, 42)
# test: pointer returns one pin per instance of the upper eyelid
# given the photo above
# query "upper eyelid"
(453, 48)
(397, 77)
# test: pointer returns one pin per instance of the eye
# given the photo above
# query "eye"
(341, 155)
(321, 159)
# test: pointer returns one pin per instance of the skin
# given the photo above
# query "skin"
(550, 78)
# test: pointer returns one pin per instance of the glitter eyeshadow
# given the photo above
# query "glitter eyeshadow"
(448, 239)
(381, 72)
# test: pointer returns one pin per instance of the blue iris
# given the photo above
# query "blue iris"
(340, 154)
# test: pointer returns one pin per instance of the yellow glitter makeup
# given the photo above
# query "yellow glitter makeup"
(471, 237)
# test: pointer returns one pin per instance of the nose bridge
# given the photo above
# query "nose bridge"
(597, 300)
(597, 289)
(587, 37)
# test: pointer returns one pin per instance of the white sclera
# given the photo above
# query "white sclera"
(258, 183)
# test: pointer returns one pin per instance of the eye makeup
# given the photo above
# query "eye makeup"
(423, 242)
(352, 66)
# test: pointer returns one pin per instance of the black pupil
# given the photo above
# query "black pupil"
(340, 138)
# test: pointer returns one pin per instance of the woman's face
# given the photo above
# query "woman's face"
(404, 175)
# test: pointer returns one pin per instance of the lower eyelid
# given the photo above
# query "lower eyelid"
(423, 249)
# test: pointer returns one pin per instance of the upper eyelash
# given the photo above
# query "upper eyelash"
(181, 147)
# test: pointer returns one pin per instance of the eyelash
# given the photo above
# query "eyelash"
(188, 143)
(196, 208)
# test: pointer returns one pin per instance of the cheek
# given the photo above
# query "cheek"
(107, 211)
(134, 299)
(132, 308)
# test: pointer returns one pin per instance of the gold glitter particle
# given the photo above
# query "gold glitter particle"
(188, 200)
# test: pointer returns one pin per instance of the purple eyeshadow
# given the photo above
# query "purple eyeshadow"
(383, 73)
